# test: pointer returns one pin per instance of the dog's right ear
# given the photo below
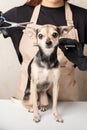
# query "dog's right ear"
(37, 27)
(37, 30)
(64, 30)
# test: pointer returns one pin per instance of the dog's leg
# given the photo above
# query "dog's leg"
(28, 103)
(30, 107)
(44, 103)
(36, 117)
(55, 98)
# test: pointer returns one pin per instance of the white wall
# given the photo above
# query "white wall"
(9, 65)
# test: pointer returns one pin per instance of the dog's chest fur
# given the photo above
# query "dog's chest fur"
(44, 72)
(43, 77)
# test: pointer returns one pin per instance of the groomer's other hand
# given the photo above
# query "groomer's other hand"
(72, 49)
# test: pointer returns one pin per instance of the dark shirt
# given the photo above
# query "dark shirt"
(47, 15)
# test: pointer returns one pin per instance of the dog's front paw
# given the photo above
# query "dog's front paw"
(44, 107)
(37, 118)
(58, 118)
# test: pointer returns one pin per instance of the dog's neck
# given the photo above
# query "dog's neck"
(44, 60)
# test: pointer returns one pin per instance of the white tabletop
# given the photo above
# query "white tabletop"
(13, 116)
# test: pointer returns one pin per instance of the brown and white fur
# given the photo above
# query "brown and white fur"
(44, 70)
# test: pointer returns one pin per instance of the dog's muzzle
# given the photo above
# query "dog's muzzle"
(48, 44)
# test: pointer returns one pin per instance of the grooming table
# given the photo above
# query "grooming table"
(13, 116)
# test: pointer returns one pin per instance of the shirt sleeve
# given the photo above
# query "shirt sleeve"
(86, 28)
(86, 33)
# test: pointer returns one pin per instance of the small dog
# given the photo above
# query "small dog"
(44, 70)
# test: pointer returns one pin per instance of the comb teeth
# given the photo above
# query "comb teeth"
(66, 46)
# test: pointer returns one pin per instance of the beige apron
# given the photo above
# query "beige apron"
(68, 86)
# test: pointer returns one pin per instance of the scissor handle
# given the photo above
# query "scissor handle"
(11, 24)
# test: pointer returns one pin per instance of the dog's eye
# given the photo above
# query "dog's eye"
(55, 35)
(40, 36)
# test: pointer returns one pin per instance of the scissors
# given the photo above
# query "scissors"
(12, 24)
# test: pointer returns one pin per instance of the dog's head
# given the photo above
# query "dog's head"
(48, 36)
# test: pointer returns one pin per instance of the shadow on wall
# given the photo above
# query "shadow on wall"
(9, 65)
(9, 68)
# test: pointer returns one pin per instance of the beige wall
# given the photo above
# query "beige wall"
(82, 3)
(10, 67)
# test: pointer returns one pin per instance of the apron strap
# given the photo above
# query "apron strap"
(68, 14)
(35, 14)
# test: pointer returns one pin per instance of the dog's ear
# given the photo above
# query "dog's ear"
(37, 30)
(63, 30)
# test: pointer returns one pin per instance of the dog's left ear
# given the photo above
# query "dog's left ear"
(63, 30)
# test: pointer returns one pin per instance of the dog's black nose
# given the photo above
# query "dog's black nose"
(48, 43)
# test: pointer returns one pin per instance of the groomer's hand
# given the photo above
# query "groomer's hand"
(2, 24)
(72, 49)
(1, 20)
